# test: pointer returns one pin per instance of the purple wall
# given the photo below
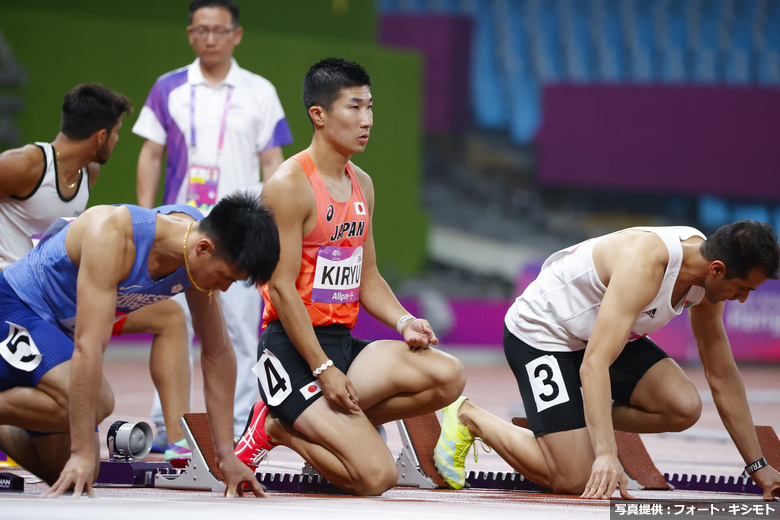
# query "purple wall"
(445, 43)
(692, 140)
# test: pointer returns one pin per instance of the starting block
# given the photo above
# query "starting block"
(417, 468)
(419, 435)
(201, 471)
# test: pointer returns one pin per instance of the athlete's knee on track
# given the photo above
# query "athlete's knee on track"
(449, 379)
(684, 411)
(375, 479)
(569, 483)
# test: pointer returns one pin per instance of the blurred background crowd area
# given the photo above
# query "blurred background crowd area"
(504, 129)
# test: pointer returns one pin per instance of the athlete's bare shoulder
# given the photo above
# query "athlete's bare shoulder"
(630, 251)
(289, 193)
(105, 229)
(288, 175)
(20, 170)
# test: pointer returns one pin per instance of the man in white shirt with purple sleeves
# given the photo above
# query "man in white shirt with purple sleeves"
(220, 124)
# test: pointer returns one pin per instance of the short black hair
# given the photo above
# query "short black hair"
(90, 107)
(235, 11)
(244, 232)
(743, 246)
(325, 79)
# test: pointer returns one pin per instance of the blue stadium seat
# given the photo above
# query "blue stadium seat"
(713, 212)
(751, 212)
(769, 56)
(520, 45)
(673, 20)
(706, 51)
(640, 38)
(488, 85)
(575, 37)
(739, 53)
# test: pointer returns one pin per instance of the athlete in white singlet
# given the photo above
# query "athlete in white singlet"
(576, 340)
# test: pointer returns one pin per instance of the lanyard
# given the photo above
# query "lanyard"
(222, 124)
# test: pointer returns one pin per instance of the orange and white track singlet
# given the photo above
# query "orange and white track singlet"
(332, 259)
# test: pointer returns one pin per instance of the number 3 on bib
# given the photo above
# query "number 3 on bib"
(273, 378)
(547, 383)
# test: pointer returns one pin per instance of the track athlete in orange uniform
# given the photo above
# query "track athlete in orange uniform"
(327, 270)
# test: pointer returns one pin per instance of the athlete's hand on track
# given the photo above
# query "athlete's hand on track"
(236, 475)
(337, 388)
(606, 475)
(78, 474)
(419, 334)
(769, 479)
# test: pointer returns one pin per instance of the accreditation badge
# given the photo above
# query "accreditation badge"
(202, 187)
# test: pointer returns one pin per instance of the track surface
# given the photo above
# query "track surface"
(703, 450)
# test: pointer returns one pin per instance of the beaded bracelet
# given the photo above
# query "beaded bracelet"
(317, 371)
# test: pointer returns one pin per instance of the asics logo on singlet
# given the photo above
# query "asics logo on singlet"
(349, 229)
(651, 313)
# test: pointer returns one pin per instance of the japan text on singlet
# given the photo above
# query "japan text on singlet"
(332, 259)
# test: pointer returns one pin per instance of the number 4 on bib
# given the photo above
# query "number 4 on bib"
(273, 378)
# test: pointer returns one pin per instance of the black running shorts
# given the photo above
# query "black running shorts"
(550, 383)
(286, 382)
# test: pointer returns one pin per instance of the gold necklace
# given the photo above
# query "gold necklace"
(69, 186)
(187, 265)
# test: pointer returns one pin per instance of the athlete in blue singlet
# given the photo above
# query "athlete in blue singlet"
(116, 259)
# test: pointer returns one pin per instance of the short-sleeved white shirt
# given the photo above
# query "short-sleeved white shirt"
(255, 122)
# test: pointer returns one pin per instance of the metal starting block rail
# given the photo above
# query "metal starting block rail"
(416, 467)
(714, 483)
(299, 483)
(501, 480)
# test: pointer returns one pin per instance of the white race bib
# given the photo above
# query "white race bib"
(337, 276)
(547, 383)
(273, 378)
(19, 349)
